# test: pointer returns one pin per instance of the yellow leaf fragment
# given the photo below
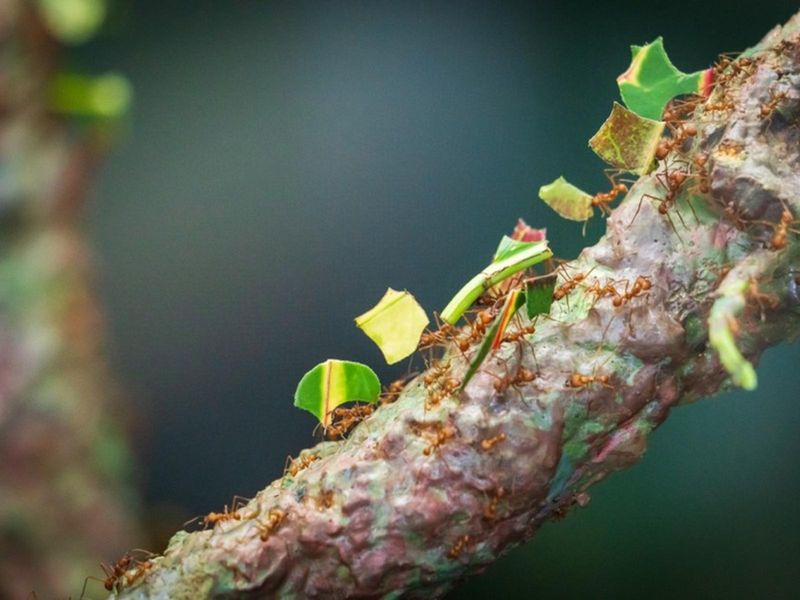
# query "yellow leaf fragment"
(395, 324)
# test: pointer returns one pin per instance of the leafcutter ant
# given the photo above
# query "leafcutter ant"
(490, 512)
(275, 517)
(213, 518)
(300, 463)
(442, 433)
(115, 573)
(489, 443)
(455, 549)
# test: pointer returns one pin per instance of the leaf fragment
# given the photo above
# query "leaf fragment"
(721, 325)
(73, 21)
(496, 272)
(512, 304)
(652, 80)
(395, 324)
(332, 383)
(525, 233)
(514, 300)
(627, 140)
(567, 200)
(509, 247)
(539, 294)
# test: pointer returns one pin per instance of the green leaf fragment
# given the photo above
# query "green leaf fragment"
(720, 334)
(513, 301)
(332, 383)
(652, 80)
(539, 295)
(395, 324)
(496, 272)
(627, 140)
(73, 21)
(508, 247)
(567, 200)
(105, 97)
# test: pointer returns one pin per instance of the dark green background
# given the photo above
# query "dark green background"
(288, 161)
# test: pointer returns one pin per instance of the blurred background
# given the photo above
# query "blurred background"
(285, 162)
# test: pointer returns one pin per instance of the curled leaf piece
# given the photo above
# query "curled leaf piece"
(539, 294)
(395, 324)
(513, 301)
(332, 383)
(527, 256)
(509, 247)
(652, 80)
(627, 141)
(567, 200)
(721, 325)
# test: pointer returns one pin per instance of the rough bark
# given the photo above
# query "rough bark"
(65, 502)
(418, 497)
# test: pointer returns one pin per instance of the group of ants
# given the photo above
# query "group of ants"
(675, 174)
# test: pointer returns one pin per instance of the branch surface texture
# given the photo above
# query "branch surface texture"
(427, 491)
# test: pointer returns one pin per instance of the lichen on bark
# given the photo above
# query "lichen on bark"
(424, 494)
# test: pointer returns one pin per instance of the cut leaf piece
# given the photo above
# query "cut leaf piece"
(567, 200)
(395, 324)
(726, 308)
(509, 247)
(525, 233)
(492, 275)
(652, 80)
(511, 306)
(332, 383)
(539, 294)
(628, 141)
(514, 300)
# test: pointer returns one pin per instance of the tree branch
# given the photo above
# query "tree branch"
(424, 493)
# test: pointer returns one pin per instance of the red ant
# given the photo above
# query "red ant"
(781, 229)
(489, 443)
(522, 377)
(300, 463)
(772, 104)
(641, 285)
(345, 419)
(601, 200)
(441, 391)
(490, 512)
(114, 573)
(442, 434)
(671, 181)
(274, 518)
(455, 550)
(578, 380)
(394, 389)
(570, 284)
(213, 518)
(680, 133)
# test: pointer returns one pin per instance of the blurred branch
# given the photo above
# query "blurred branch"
(65, 501)
(426, 492)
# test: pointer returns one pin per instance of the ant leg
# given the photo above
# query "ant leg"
(639, 206)
(86, 581)
(674, 229)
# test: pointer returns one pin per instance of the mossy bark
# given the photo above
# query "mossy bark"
(417, 498)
